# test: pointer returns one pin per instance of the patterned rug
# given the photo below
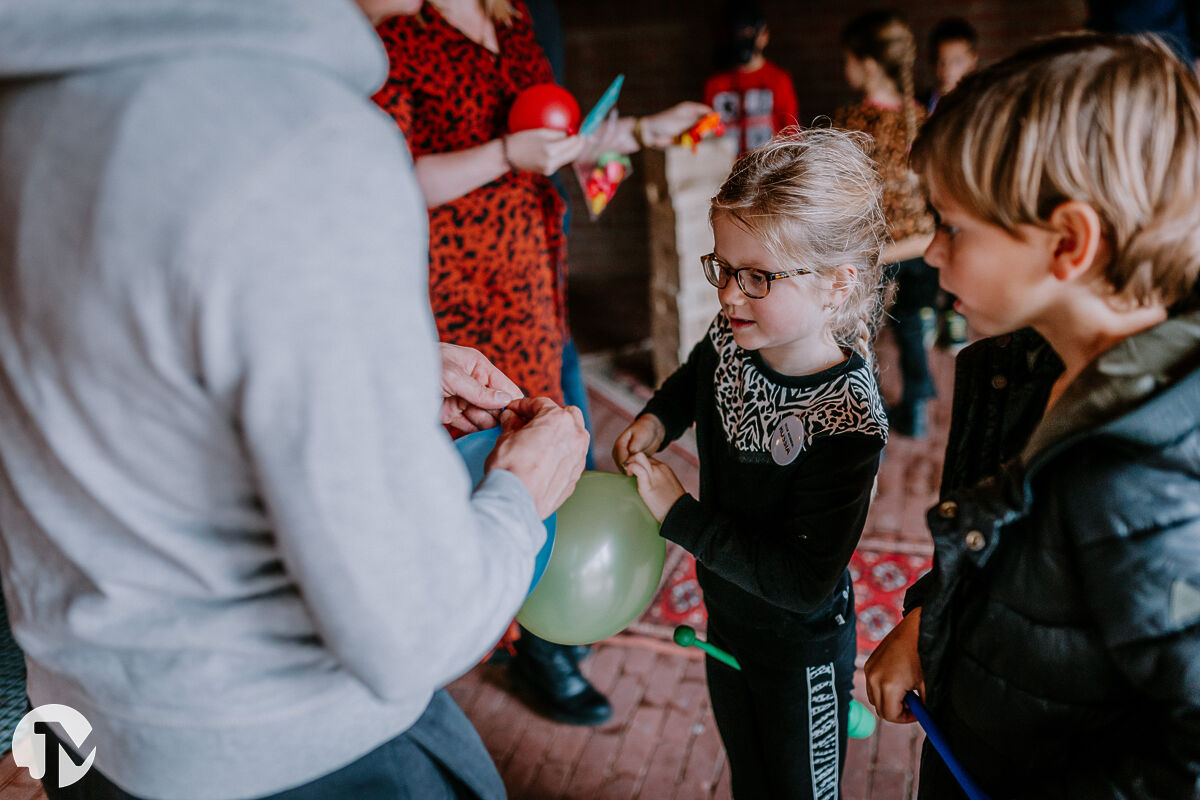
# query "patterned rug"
(880, 580)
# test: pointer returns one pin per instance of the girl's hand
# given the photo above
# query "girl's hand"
(656, 482)
(644, 435)
(894, 668)
(542, 150)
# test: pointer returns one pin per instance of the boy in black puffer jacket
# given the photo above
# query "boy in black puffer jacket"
(1057, 638)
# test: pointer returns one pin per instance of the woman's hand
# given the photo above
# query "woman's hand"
(644, 435)
(894, 668)
(659, 130)
(541, 150)
(474, 391)
(656, 482)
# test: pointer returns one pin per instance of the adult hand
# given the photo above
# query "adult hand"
(656, 482)
(894, 668)
(473, 391)
(644, 435)
(542, 150)
(545, 446)
(659, 130)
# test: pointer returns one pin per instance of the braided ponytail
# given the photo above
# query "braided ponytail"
(905, 45)
(885, 37)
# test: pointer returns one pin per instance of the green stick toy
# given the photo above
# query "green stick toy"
(861, 722)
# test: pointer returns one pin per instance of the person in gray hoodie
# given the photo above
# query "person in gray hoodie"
(235, 536)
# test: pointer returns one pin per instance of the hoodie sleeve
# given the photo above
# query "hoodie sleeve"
(675, 401)
(315, 332)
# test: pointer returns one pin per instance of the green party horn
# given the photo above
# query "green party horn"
(861, 722)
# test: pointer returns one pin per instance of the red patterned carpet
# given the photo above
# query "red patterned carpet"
(880, 579)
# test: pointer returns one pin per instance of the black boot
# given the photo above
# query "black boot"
(909, 419)
(550, 673)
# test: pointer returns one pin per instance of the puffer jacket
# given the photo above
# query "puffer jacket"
(1060, 626)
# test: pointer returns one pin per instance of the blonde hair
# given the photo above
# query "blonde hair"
(1111, 121)
(811, 197)
(884, 37)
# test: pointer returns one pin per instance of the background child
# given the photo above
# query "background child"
(756, 98)
(1057, 639)
(954, 51)
(880, 53)
(789, 428)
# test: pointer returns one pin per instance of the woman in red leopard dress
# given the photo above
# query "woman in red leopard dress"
(496, 245)
(497, 275)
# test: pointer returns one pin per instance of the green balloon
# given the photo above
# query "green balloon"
(605, 566)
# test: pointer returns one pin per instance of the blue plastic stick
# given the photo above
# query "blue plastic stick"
(939, 743)
(602, 107)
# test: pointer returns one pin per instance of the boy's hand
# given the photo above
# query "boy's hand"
(894, 668)
(644, 435)
(656, 483)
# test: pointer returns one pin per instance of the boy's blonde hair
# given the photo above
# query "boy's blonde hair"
(811, 198)
(1111, 121)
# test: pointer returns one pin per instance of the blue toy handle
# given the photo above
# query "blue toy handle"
(938, 741)
(602, 107)
(474, 449)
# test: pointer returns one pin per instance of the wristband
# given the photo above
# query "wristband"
(637, 133)
(504, 151)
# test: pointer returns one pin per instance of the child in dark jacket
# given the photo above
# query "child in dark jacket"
(1057, 639)
(789, 427)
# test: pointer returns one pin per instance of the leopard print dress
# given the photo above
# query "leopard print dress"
(496, 254)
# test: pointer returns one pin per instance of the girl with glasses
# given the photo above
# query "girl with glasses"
(789, 427)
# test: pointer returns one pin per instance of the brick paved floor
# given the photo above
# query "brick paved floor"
(661, 743)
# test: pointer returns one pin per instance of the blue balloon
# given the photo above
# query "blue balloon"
(474, 449)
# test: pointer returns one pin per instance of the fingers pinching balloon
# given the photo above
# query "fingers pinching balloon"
(606, 565)
(474, 450)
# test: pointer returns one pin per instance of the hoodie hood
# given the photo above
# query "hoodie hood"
(1142, 389)
(49, 38)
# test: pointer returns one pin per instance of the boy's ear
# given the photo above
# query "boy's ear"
(1079, 239)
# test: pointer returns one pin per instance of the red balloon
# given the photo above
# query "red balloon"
(545, 105)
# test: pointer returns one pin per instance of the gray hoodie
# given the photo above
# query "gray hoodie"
(235, 536)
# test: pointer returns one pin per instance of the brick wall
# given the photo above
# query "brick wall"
(665, 50)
